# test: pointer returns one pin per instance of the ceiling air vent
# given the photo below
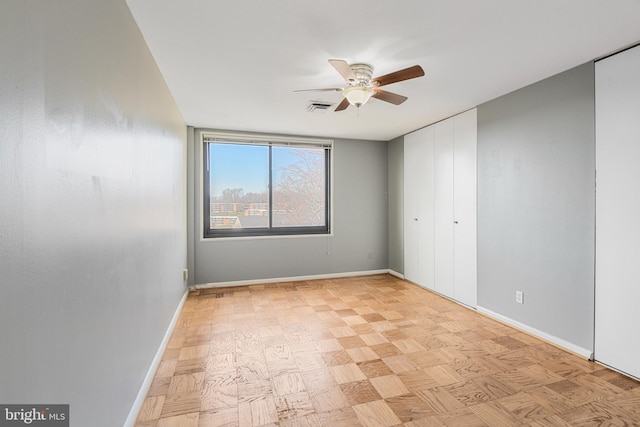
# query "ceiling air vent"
(319, 106)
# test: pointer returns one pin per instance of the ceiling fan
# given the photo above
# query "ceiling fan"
(360, 86)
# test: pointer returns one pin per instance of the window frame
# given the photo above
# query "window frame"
(269, 141)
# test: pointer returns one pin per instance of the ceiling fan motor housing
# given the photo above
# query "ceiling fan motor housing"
(363, 73)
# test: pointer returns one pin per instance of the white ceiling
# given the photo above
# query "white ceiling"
(234, 65)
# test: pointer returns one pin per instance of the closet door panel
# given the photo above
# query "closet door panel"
(411, 189)
(617, 212)
(443, 216)
(464, 204)
(426, 207)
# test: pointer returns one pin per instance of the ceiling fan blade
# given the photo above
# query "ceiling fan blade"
(343, 105)
(398, 76)
(343, 68)
(326, 89)
(391, 97)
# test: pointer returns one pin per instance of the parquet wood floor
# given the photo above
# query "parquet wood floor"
(369, 351)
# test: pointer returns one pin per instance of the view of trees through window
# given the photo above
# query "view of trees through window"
(266, 189)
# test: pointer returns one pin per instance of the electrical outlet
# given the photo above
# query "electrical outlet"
(185, 275)
(520, 297)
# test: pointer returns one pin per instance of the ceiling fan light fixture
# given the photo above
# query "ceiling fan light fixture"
(358, 95)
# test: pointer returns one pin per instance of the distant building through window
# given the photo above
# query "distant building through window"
(262, 186)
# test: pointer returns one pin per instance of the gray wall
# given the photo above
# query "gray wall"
(359, 241)
(92, 207)
(536, 205)
(395, 150)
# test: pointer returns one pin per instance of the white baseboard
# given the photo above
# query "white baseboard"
(395, 273)
(288, 279)
(151, 372)
(580, 351)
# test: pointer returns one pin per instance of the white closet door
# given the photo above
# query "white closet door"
(617, 317)
(418, 202)
(411, 215)
(464, 205)
(426, 202)
(443, 164)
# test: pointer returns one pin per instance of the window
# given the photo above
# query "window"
(265, 186)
